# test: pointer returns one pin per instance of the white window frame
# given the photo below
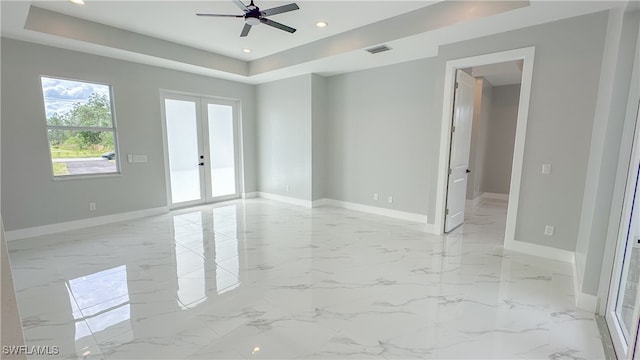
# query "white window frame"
(112, 129)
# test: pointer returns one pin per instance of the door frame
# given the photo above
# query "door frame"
(237, 132)
(527, 55)
(614, 326)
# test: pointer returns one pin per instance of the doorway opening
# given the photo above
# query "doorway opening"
(454, 148)
(201, 149)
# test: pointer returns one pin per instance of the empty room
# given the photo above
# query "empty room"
(237, 179)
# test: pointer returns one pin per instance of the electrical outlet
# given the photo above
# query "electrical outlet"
(390, 199)
(287, 188)
(548, 230)
(546, 169)
(92, 206)
(375, 196)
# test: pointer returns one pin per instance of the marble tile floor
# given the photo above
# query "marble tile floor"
(261, 279)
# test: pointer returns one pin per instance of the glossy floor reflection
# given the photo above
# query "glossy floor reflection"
(260, 279)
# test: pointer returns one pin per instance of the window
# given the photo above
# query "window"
(80, 127)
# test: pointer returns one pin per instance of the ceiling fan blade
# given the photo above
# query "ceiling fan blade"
(277, 25)
(241, 5)
(222, 15)
(280, 9)
(245, 30)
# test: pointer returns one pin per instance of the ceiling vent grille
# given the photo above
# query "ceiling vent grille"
(378, 49)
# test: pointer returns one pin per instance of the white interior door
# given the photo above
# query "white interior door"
(202, 149)
(623, 303)
(460, 146)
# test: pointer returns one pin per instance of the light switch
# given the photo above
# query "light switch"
(139, 158)
(546, 169)
(129, 158)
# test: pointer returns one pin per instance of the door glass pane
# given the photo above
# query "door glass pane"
(628, 289)
(222, 150)
(182, 138)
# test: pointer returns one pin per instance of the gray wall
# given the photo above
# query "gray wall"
(284, 137)
(501, 137)
(11, 326)
(384, 127)
(11, 331)
(29, 195)
(600, 218)
(292, 136)
(318, 138)
(479, 133)
(381, 136)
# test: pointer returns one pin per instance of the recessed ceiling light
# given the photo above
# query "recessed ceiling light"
(321, 24)
(246, 50)
(77, 2)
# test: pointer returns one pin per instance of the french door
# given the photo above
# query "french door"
(623, 304)
(202, 149)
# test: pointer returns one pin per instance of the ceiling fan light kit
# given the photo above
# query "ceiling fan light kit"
(254, 16)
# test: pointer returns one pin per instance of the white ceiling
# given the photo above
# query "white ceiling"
(168, 34)
(176, 21)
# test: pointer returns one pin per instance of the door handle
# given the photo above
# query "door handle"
(201, 164)
(468, 171)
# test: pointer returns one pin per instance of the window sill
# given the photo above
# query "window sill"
(85, 177)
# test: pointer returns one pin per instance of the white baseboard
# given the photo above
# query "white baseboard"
(319, 202)
(494, 196)
(250, 195)
(80, 224)
(539, 250)
(586, 302)
(285, 199)
(432, 229)
(429, 228)
(583, 301)
(378, 211)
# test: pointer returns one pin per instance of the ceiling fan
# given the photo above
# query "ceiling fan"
(254, 16)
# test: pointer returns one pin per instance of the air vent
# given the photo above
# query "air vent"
(379, 49)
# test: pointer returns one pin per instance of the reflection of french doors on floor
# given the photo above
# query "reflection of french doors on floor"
(201, 146)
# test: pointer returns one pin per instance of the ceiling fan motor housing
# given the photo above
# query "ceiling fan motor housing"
(252, 17)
